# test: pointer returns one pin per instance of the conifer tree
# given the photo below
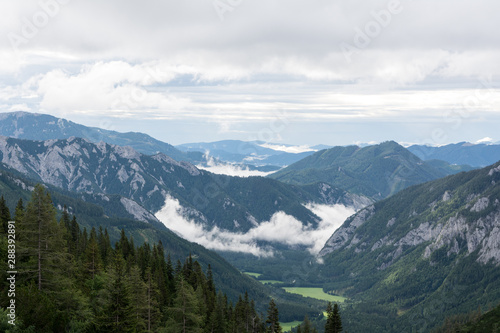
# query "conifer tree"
(92, 256)
(333, 321)
(272, 321)
(4, 214)
(19, 213)
(118, 316)
(138, 300)
(184, 316)
(306, 325)
(104, 246)
(152, 304)
(41, 238)
(218, 321)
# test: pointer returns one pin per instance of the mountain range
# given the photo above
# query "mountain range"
(407, 237)
(376, 171)
(34, 126)
(429, 251)
(258, 153)
(477, 155)
(181, 195)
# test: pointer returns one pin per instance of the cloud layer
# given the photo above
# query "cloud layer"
(233, 64)
(281, 229)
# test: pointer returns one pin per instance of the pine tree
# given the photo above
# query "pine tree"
(118, 315)
(272, 322)
(104, 246)
(306, 325)
(184, 316)
(4, 214)
(92, 256)
(218, 320)
(19, 213)
(334, 322)
(138, 300)
(330, 325)
(41, 238)
(152, 296)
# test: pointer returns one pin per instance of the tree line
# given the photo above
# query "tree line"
(74, 280)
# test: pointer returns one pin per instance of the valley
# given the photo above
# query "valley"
(389, 237)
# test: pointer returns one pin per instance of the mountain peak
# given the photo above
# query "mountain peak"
(375, 171)
(35, 126)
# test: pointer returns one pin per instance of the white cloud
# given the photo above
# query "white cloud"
(288, 149)
(176, 60)
(281, 228)
(20, 107)
(235, 170)
(486, 140)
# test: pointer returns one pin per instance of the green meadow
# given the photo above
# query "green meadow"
(315, 293)
(288, 326)
(255, 275)
(270, 281)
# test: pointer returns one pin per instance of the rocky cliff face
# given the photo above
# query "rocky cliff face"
(457, 220)
(145, 182)
(407, 252)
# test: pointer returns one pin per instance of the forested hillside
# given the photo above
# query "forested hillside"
(74, 280)
(376, 171)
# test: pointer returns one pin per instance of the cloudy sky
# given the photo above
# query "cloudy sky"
(284, 71)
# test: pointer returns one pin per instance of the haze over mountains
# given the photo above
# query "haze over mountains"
(377, 224)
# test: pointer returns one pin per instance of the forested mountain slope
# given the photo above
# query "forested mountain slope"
(376, 171)
(427, 252)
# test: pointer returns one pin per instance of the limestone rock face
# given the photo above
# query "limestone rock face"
(460, 214)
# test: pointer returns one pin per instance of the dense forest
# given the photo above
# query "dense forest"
(73, 280)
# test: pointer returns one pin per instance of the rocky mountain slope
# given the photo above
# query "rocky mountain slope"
(108, 211)
(375, 171)
(230, 203)
(34, 126)
(429, 251)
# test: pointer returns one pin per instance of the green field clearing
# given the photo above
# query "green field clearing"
(270, 281)
(255, 275)
(315, 293)
(288, 326)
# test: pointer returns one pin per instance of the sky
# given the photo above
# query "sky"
(300, 72)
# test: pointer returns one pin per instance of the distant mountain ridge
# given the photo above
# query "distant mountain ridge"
(257, 153)
(477, 155)
(376, 171)
(34, 126)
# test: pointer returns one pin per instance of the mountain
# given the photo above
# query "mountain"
(190, 201)
(34, 126)
(427, 252)
(108, 212)
(376, 171)
(477, 155)
(81, 166)
(257, 153)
